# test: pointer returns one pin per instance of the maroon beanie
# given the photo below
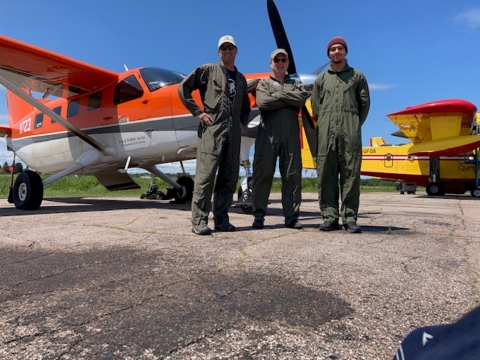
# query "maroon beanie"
(337, 40)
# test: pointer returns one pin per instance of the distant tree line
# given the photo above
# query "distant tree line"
(7, 169)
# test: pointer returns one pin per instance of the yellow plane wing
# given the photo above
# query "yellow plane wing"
(439, 128)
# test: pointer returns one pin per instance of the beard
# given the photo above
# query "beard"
(337, 60)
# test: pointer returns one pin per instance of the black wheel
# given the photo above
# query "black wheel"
(245, 197)
(28, 191)
(185, 193)
(434, 189)
(475, 192)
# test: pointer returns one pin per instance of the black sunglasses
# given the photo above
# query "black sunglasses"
(284, 60)
(229, 47)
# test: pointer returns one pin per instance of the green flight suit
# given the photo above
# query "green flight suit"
(278, 136)
(340, 103)
(218, 144)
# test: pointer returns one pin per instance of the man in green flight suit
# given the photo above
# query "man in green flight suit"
(226, 107)
(279, 99)
(340, 104)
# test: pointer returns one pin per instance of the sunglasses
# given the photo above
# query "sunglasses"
(284, 60)
(227, 47)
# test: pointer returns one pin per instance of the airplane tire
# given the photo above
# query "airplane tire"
(185, 193)
(475, 192)
(246, 197)
(434, 189)
(28, 191)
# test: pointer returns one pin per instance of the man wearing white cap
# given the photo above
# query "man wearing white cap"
(224, 112)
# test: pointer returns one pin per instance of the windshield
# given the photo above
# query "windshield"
(156, 78)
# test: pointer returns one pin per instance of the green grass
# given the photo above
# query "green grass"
(87, 185)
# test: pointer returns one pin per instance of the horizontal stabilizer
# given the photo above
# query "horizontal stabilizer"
(377, 141)
(5, 131)
(447, 146)
(115, 180)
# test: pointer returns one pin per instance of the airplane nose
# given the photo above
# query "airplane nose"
(307, 81)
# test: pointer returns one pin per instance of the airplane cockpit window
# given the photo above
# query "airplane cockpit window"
(38, 121)
(127, 89)
(73, 108)
(94, 101)
(156, 78)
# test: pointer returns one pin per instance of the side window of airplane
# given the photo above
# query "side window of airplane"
(127, 89)
(94, 101)
(73, 108)
(38, 121)
(58, 111)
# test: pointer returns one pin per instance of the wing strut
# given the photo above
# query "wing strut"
(108, 151)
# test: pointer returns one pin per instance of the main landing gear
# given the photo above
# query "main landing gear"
(182, 195)
(28, 191)
(434, 189)
(475, 192)
(245, 190)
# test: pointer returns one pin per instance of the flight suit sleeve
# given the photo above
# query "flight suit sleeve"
(315, 98)
(192, 82)
(363, 99)
(296, 97)
(266, 100)
(245, 107)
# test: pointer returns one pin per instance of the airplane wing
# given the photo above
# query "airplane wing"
(50, 73)
(439, 128)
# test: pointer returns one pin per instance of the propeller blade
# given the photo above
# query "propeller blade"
(310, 134)
(321, 68)
(279, 34)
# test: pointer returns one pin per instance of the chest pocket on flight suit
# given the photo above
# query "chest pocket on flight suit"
(350, 97)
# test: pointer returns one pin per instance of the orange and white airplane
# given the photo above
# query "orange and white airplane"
(89, 120)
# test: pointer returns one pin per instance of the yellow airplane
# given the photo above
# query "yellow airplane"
(442, 154)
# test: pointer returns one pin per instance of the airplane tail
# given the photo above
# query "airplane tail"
(377, 141)
(17, 108)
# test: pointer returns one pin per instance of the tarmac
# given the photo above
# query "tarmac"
(124, 278)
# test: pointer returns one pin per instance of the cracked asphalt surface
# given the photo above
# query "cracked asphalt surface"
(124, 278)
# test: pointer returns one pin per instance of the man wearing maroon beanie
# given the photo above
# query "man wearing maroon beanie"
(340, 104)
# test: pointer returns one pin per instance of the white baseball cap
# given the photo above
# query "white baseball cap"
(226, 38)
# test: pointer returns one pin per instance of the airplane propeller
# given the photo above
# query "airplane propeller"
(282, 42)
(280, 34)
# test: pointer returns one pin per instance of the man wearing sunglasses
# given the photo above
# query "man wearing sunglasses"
(279, 99)
(340, 103)
(225, 110)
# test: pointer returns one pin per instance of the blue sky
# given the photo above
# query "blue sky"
(411, 52)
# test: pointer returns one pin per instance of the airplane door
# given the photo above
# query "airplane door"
(185, 124)
(388, 160)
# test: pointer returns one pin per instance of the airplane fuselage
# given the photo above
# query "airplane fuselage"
(138, 123)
